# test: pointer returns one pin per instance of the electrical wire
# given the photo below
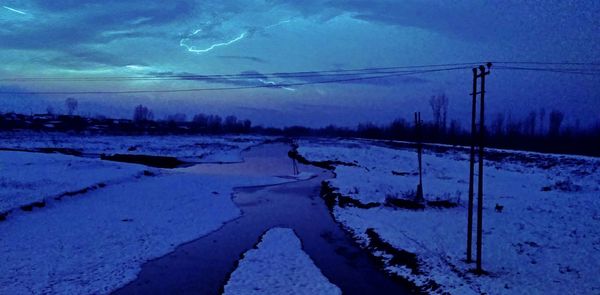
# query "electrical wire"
(301, 74)
(334, 76)
(280, 85)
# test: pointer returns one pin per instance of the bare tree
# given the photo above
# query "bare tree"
(439, 107)
(542, 118)
(71, 104)
(142, 114)
(555, 120)
(200, 121)
(498, 124)
(247, 125)
(230, 121)
(529, 124)
(214, 123)
(177, 118)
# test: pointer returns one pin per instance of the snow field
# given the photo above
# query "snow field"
(543, 240)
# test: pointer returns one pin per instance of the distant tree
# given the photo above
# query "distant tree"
(455, 127)
(71, 104)
(529, 124)
(214, 123)
(398, 128)
(368, 130)
(555, 120)
(439, 107)
(498, 125)
(513, 128)
(50, 110)
(142, 114)
(177, 118)
(200, 122)
(247, 125)
(230, 123)
(542, 118)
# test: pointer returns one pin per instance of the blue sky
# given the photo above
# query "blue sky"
(83, 38)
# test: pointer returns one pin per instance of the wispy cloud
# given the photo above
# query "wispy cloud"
(15, 10)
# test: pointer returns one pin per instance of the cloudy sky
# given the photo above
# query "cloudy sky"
(114, 38)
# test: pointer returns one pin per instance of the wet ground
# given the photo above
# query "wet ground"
(203, 266)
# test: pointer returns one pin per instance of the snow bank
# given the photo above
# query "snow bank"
(191, 148)
(278, 266)
(26, 178)
(540, 216)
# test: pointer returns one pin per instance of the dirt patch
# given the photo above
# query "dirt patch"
(563, 185)
(64, 151)
(333, 197)
(29, 207)
(81, 191)
(442, 204)
(399, 257)
(329, 165)
(152, 161)
(404, 204)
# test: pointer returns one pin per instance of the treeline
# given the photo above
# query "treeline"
(200, 123)
(512, 135)
(534, 132)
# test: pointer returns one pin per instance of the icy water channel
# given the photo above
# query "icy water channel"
(203, 266)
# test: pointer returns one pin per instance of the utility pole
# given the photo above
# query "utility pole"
(418, 124)
(483, 73)
(294, 163)
(471, 170)
(295, 167)
(478, 73)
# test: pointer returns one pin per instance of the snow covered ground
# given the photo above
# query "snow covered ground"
(190, 148)
(541, 216)
(97, 241)
(278, 266)
(26, 177)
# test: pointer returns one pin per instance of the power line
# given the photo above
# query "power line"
(210, 78)
(319, 73)
(579, 71)
(335, 75)
(301, 74)
(547, 63)
(281, 85)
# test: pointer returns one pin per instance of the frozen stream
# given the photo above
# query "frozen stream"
(203, 266)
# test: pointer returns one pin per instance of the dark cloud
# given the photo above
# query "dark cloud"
(497, 21)
(66, 23)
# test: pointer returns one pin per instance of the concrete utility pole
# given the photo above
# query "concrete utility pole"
(481, 142)
(483, 73)
(295, 169)
(418, 124)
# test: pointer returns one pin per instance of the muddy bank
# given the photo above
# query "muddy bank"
(152, 161)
